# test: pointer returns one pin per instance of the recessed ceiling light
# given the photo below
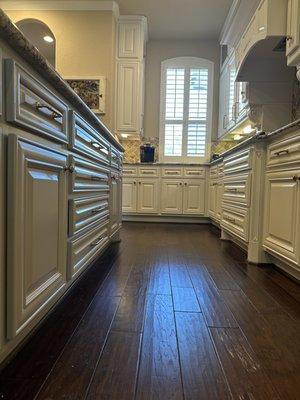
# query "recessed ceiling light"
(48, 39)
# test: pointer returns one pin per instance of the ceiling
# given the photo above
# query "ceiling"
(180, 19)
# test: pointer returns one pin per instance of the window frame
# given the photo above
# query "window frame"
(186, 63)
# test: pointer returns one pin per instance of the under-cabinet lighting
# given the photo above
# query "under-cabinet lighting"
(48, 39)
(237, 137)
(124, 135)
(248, 129)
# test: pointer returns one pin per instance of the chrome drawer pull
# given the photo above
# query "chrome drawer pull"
(232, 190)
(96, 145)
(230, 219)
(281, 152)
(54, 113)
(148, 172)
(96, 242)
(97, 210)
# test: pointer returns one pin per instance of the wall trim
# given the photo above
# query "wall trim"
(38, 5)
(166, 219)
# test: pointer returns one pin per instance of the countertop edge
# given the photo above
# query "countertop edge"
(14, 37)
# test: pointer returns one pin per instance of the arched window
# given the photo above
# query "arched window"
(40, 35)
(186, 109)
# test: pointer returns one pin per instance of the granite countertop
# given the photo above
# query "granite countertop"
(14, 37)
(168, 164)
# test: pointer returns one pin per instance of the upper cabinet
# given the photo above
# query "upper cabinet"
(131, 46)
(293, 33)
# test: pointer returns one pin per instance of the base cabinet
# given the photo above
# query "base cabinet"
(129, 196)
(147, 196)
(172, 195)
(115, 203)
(194, 197)
(282, 218)
(37, 230)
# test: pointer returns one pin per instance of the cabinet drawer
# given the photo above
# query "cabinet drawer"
(84, 212)
(87, 176)
(33, 106)
(235, 221)
(148, 171)
(169, 172)
(194, 172)
(83, 250)
(286, 151)
(86, 140)
(129, 171)
(237, 162)
(237, 189)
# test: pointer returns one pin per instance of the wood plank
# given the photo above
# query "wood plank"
(202, 374)
(179, 276)
(244, 372)
(185, 299)
(130, 313)
(222, 279)
(215, 310)
(159, 373)
(159, 282)
(282, 368)
(71, 374)
(115, 375)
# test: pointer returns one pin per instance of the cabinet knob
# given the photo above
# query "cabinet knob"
(140, 183)
(134, 182)
(296, 178)
(288, 38)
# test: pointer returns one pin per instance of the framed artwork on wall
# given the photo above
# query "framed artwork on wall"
(91, 90)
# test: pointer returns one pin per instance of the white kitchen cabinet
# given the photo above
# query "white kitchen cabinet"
(115, 203)
(37, 230)
(128, 97)
(293, 33)
(130, 71)
(212, 199)
(129, 195)
(172, 196)
(282, 214)
(194, 197)
(148, 196)
(223, 91)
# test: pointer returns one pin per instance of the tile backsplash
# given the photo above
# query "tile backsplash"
(132, 149)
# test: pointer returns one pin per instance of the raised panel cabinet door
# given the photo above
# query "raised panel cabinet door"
(282, 221)
(194, 197)
(148, 196)
(115, 198)
(129, 195)
(171, 197)
(130, 40)
(293, 27)
(128, 102)
(37, 231)
(212, 198)
(219, 198)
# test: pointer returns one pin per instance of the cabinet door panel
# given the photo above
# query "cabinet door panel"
(282, 215)
(115, 199)
(212, 199)
(148, 196)
(129, 196)
(128, 96)
(130, 40)
(194, 197)
(171, 197)
(293, 29)
(37, 232)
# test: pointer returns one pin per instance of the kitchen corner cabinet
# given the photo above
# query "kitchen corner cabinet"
(293, 33)
(37, 230)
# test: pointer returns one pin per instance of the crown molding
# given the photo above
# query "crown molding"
(237, 19)
(63, 5)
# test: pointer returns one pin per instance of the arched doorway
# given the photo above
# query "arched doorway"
(41, 36)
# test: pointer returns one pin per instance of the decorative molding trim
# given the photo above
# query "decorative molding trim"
(237, 20)
(38, 5)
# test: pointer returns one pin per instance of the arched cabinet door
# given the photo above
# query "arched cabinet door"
(37, 231)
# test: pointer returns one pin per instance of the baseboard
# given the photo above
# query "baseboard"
(166, 218)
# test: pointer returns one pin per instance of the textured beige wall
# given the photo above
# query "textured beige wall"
(160, 50)
(85, 43)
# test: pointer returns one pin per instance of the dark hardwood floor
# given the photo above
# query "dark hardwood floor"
(170, 313)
